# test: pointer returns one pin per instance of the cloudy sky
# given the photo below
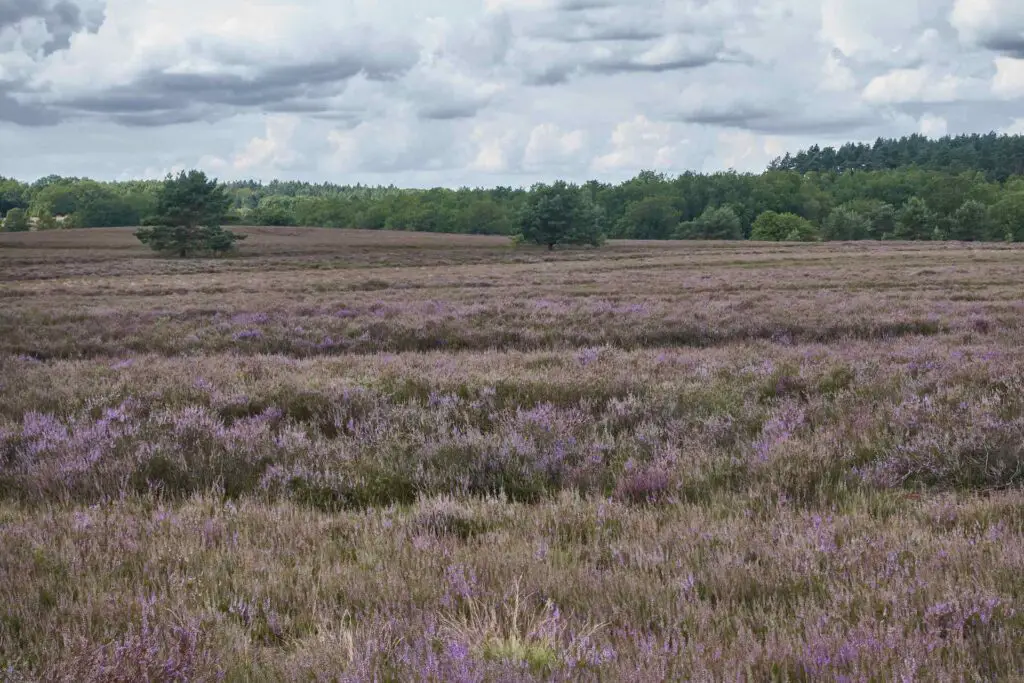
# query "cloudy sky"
(484, 92)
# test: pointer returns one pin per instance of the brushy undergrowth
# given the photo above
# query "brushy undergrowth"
(671, 463)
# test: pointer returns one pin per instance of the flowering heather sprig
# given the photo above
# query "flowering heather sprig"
(462, 584)
(778, 429)
(588, 356)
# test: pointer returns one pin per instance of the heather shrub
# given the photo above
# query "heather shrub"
(937, 443)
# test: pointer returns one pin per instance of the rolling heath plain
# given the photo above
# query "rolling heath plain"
(502, 341)
(379, 455)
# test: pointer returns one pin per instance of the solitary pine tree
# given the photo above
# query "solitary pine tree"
(190, 209)
(561, 214)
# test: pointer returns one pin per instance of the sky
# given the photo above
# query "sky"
(423, 93)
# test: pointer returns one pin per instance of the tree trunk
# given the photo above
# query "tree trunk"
(551, 247)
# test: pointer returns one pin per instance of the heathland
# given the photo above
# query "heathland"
(346, 455)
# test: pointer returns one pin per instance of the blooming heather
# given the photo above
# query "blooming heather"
(348, 461)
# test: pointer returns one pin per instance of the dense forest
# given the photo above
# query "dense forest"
(997, 156)
(913, 188)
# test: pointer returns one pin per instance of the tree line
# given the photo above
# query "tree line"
(999, 157)
(934, 192)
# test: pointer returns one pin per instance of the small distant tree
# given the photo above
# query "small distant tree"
(274, 210)
(190, 209)
(882, 219)
(16, 221)
(46, 221)
(651, 218)
(844, 224)
(484, 217)
(971, 222)
(771, 226)
(915, 221)
(719, 223)
(560, 214)
(1008, 217)
(803, 231)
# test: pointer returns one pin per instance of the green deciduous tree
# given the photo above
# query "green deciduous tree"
(46, 222)
(93, 204)
(1008, 217)
(915, 221)
(882, 217)
(803, 231)
(484, 217)
(16, 220)
(190, 209)
(373, 217)
(845, 224)
(971, 222)
(651, 218)
(771, 226)
(13, 195)
(719, 223)
(274, 210)
(561, 213)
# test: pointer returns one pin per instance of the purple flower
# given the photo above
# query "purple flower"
(457, 651)
(461, 582)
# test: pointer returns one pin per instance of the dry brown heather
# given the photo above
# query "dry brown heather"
(386, 456)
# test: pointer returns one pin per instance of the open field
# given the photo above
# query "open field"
(388, 456)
